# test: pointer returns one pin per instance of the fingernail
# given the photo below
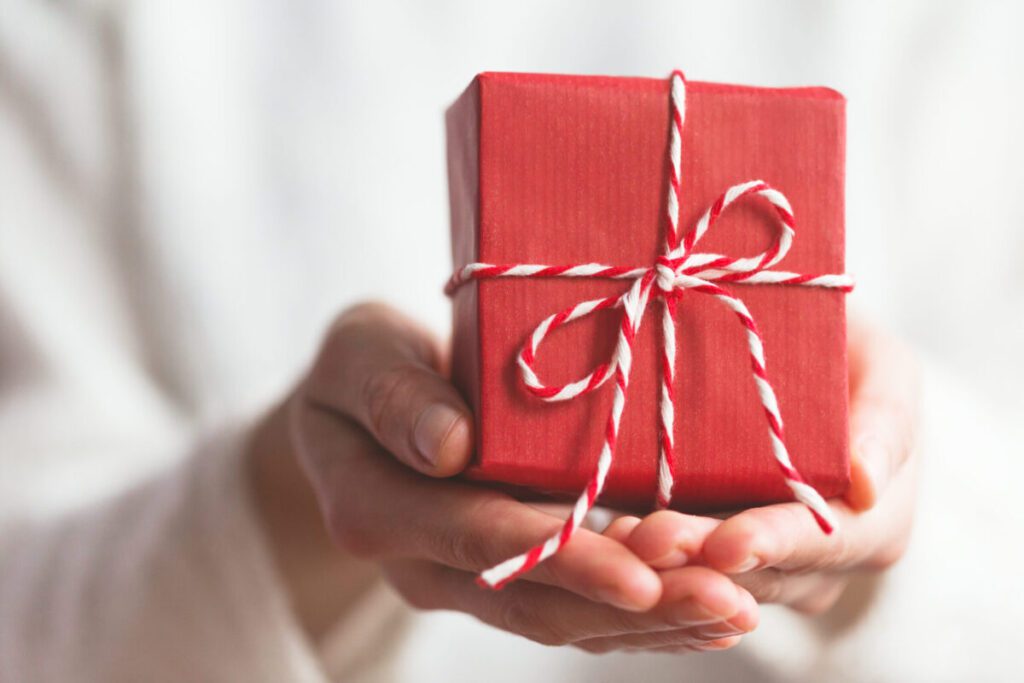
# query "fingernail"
(748, 565)
(716, 631)
(747, 617)
(615, 598)
(432, 428)
(720, 644)
(671, 560)
(690, 611)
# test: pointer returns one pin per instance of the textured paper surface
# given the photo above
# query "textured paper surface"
(566, 169)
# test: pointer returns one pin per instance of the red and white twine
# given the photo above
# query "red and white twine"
(677, 270)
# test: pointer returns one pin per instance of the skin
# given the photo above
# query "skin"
(777, 552)
(338, 479)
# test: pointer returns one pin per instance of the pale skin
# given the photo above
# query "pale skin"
(338, 475)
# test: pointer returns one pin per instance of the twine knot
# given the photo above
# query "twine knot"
(666, 276)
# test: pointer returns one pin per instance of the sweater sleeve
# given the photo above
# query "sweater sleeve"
(168, 582)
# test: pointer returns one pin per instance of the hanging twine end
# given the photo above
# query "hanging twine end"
(827, 525)
(481, 581)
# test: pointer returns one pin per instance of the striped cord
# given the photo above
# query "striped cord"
(679, 269)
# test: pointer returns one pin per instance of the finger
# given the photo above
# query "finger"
(821, 598)
(704, 636)
(597, 519)
(810, 593)
(375, 507)
(677, 641)
(554, 616)
(782, 536)
(381, 369)
(706, 596)
(620, 528)
(785, 537)
(710, 646)
(667, 539)
(884, 394)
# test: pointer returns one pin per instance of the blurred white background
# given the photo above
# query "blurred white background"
(231, 174)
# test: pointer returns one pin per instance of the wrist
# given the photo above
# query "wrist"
(321, 580)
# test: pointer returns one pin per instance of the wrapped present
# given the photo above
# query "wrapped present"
(634, 316)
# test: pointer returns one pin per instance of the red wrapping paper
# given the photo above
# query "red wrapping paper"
(572, 169)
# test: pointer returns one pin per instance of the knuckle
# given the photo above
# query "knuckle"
(892, 544)
(816, 606)
(839, 550)
(384, 392)
(782, 522)
(771, 590)
(765, 585)
(530, 623)
(815, 550)
(414, 588)
(357, 314)
(348, 534)
(821, 600)
(418, 596)
(463, 549)
(419, 600)
(889, 555)
(349, 332)
(474, 544)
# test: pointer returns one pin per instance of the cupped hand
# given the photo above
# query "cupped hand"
(377, 427)
(778, 552)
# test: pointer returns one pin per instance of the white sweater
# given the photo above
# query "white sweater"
(188, 192)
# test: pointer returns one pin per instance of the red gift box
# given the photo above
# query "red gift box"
(569, 169)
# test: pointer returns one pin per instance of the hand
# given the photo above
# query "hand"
(375, 427)
(778, 552)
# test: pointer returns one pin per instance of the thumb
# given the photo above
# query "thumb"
(884, 390)
(381, 369)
